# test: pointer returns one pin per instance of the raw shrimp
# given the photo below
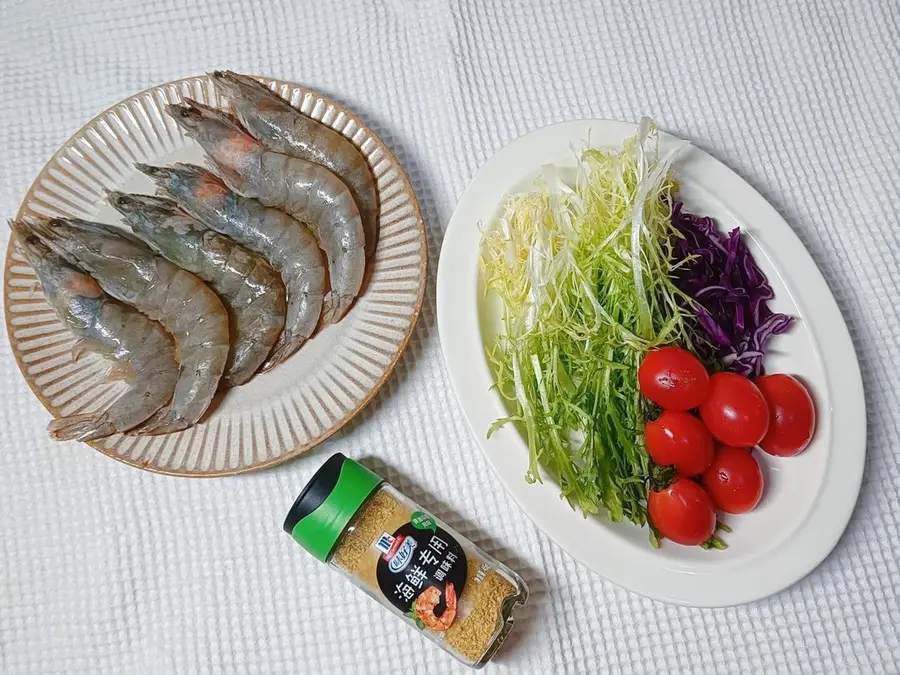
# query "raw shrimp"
(428, 599)
(281, 127)
(141, 350)
(249, 288)
(285, 242)
(307, 191)
(131, 272)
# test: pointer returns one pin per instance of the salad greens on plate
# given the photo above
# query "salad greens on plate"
(592, 275)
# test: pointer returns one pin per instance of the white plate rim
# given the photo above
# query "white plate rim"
(458, 326)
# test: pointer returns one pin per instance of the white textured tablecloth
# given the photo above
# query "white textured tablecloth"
(107, 569)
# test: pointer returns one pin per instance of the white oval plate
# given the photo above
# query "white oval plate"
(279, 414)
(808, 499)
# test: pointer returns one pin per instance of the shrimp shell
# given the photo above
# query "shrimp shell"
(249, 288)
(285, 242)
(135, 344)
(129, 271)
(307, 191)
(281, 127)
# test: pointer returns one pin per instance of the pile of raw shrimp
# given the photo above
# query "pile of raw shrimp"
(227, 272)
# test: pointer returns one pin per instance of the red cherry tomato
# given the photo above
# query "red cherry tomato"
(673, 378)
(679, 438)
(682, 512)
(734, 480)
(735, 411)
(792, 415)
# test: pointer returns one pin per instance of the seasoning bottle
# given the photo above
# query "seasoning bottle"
(412, 563)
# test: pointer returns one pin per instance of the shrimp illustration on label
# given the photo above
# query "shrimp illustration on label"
(428, 600)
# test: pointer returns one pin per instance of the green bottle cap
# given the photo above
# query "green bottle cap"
(328, 502)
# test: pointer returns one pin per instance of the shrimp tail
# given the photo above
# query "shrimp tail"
(85, 427)
(160, 424)
(281, 352)
(335, 306)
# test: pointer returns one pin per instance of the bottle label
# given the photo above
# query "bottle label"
(422, 571)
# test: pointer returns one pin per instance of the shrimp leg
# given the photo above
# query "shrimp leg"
(130, 271)
(281, 127)
(136, 344)
(285, 242)
(307, 191)
(249, 288)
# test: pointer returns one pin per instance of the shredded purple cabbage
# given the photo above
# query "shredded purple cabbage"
(730, 291)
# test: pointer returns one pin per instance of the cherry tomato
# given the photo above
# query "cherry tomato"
(679, 438)
(673, 378)
(734, 480)
(735, 411)
(682, 512)
(792, 415)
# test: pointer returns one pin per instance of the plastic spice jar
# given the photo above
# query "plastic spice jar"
(433, 578)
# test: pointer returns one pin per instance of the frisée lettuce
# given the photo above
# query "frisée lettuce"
(585, 276)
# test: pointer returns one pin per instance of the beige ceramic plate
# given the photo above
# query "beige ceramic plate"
(277, 415)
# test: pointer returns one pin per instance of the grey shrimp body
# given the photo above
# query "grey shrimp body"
(307, 191)
(279, 238)
(249, 288)
(140, 349)
(282, 128)
(127, 269)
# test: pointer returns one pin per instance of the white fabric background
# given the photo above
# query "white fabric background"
(106, 569)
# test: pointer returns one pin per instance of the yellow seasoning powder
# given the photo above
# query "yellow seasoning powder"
(483, 610)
